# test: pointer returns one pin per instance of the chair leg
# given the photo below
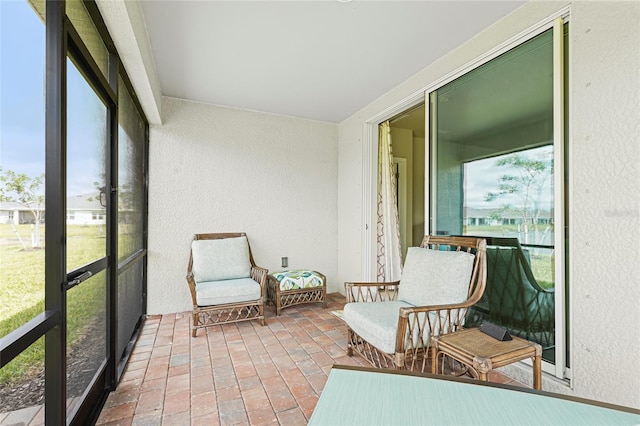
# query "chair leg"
(194, 330)
(349, 340)
(399, 360)
(434, 359)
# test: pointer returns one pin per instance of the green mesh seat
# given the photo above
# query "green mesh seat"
(513, 298)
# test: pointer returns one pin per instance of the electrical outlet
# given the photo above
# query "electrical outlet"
(285, 262)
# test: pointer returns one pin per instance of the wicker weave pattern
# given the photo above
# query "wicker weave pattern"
(224, 314)
(479, 353)
(285, 298)
(369, 352)
(204, 316)
(289, 299)
(427, 325)
(421, 322)
(371, 292)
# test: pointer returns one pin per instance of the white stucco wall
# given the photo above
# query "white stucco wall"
(604, 200)
(216, 169)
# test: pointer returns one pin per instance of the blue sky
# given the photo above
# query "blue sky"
(21, 88)
(483, 176)
(22, 115)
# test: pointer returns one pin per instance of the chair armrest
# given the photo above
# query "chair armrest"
(405, 311)
(259, 275)
(371, 291)
(192, 287)
(425, 322)
(372, 284)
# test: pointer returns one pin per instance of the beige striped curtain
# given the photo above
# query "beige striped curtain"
(389, 258)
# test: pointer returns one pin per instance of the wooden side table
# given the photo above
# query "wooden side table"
(482, 353)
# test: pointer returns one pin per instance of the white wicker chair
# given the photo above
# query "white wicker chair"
(391, 324)
(225, 283)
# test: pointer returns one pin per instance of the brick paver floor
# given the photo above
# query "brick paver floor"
(240, 373)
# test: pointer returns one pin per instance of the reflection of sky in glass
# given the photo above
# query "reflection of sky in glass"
(22, 119)
(483, 176)
(86, 126)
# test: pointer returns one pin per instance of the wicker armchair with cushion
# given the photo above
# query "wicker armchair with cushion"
(391, 324)
(225, 283)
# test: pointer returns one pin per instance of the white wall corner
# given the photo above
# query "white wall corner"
(221, 169)
(127, 28)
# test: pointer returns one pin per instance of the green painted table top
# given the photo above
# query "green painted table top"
(359, 397)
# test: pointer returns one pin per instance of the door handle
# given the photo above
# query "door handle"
(77, 279)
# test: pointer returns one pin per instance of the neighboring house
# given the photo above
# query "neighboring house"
(81, 210)
(85, 209)
(16, 213)
(480, 217)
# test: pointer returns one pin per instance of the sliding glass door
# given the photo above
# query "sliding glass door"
(497, 172)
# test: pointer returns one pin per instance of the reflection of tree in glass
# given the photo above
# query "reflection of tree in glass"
(101, 194)
(24, 190)
(527, 180)
(126, 198)
(86, 134)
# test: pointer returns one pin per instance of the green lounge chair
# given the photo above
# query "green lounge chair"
(513, 299)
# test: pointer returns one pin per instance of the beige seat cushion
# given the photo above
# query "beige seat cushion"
(220, 259)
(227, 291)
(434, 277)
(375, 322)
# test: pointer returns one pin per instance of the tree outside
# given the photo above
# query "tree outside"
(26, 191)
(526, 179)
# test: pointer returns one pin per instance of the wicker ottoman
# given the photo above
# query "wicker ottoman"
(288, 288)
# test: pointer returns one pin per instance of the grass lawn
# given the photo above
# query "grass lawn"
(22, 281)
(542, 263)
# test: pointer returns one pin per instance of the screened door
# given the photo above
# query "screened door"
(74, 229)
(86, 231)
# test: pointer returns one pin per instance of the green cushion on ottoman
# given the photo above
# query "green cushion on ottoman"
(298, 279)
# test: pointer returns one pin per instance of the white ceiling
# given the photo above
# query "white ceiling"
(321, 60)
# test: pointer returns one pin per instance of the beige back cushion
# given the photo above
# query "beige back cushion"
(434, 277)
(222, 259)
